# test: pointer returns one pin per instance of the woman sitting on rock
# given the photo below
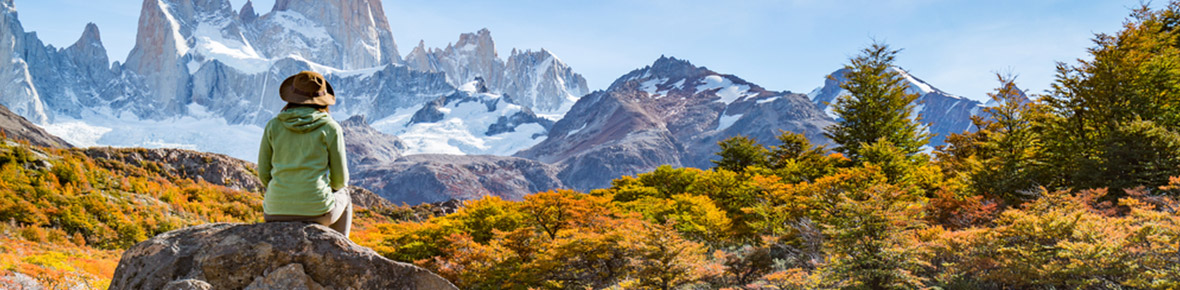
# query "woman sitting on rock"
(301, 160)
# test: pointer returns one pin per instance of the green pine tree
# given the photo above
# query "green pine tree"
(739, 152)
(1010, 153)
(876, 107)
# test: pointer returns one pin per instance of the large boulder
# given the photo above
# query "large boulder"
(290, 255)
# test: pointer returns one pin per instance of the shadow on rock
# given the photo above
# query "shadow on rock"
(263, 256)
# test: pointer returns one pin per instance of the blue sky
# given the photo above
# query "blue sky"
(781, 45)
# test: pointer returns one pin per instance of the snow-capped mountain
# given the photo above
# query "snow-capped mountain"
(201, 72)
(945, 113)
(203, 52)
(670, 112)
(76, 73)
(469, 121)
(534, 79)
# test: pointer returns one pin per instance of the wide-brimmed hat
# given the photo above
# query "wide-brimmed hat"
(307, 88)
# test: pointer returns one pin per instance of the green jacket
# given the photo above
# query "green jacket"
(301, 161)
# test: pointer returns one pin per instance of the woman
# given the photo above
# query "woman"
(301, 160)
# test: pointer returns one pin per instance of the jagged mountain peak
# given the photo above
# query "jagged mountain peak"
(669, 76)
(90, 36)
(247, 14)
(668, 63)
(480, 43)
(343, 34)
(538, 80)
(664, 70)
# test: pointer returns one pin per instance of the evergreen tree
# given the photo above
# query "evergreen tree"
(739, 152)
(876, 106)
(1009, 153)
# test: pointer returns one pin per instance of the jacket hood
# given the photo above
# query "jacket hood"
(303, 119)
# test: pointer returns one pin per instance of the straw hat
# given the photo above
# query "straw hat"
(308, 88)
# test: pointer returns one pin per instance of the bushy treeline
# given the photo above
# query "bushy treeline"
(66, 217)
(1076, 188)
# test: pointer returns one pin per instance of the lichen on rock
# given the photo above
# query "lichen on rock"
(290, 255)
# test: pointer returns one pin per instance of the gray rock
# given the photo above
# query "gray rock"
(188, 284)
(362, 197)
(265, 256)
(542, 82)
(15, 127)
(358, 34)
(19, 281)
(367, 146)
(289, 277)
(430, 178)
(180, 164)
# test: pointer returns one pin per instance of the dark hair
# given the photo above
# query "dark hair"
(317, 107)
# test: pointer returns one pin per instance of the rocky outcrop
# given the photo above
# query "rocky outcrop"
(180, 164)
(430, 178)
(15, 127)
(263, 256)
(670, 112)
(364, 198)
(367, 146)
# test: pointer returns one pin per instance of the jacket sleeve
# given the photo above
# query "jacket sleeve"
(264, 158)
(337, 161)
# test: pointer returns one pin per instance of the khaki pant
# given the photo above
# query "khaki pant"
(339, 218)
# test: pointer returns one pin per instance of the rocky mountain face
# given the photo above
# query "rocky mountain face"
(76, 74)
(534, 79)
(367, 146)
(202, 59)
(231, 63)
(670, 112)
(202, 55)
(15, 127)
(427, 178)
(288, 255)
(945, 113)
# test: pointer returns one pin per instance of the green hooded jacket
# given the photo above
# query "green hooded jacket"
(301, 161)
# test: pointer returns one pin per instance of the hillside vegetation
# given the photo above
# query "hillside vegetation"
(1074, 189)
(66, 215)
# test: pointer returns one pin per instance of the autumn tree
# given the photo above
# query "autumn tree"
(868, 224)
(1131, 78)
(795, 159)
(1005, 158)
